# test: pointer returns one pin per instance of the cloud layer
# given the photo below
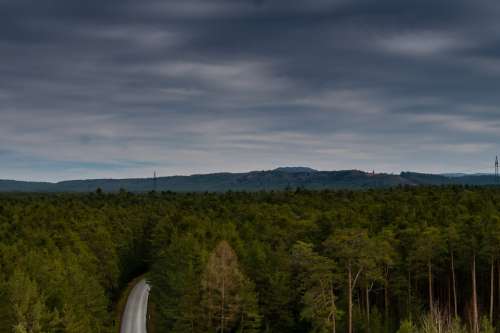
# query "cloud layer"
(122, 88)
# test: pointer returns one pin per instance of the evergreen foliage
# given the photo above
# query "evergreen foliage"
(408, 259)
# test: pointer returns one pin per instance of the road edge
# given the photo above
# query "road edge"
(122, 301)
(151, 316)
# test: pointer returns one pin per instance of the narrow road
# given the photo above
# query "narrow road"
(134, 318)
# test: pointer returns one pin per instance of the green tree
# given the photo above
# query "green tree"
(317, 274)
(351, 247)
(429, 247)
(30, 313)
(386, 245)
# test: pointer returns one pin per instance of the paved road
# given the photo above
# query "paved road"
(134, 317)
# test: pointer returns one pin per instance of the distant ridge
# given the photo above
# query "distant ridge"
(277, 179)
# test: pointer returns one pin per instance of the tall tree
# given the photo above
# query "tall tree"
(453, 241)
(318, 280)
(429, 246)
(351, 247)
(472, 235)
(223, 286)
(385, 252)
(491, 248)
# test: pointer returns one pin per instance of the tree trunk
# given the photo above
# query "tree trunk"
(349, 299)
(409, 294)
(368, 308)
(454, 284)
(334, 310)
(475, 315)
(498, 286)
(448, 309)
(359, 297)
(492, 281)
(386, 302)
(429, 270)
(222, 304)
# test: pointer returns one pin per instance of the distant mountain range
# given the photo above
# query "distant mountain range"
(277, 179)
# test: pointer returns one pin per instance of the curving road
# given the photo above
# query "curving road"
(136, 310)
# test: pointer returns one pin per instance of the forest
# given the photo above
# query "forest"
(403, 259)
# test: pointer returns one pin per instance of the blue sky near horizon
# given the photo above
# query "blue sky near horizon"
(115, 89)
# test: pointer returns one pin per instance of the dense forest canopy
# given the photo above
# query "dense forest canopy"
(401, 259)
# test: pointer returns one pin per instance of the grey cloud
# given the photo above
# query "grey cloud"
(199, 86)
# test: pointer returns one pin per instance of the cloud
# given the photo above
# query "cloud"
(118, 88)
(353, 102)
(426, 43)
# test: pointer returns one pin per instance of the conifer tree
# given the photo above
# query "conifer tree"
(319, 282)
(227, 295)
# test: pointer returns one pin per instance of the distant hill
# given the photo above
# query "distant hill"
(452, 175)
(296, 169)
(427, 179)
(450, 179)
(277, 179)
(17, 186)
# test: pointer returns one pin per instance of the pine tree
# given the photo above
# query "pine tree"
(351, 246)
(428, 247)
(227, 295)
(319, 283)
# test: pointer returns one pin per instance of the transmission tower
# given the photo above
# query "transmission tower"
(496, 171)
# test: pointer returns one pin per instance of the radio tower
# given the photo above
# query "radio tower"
(496, 170)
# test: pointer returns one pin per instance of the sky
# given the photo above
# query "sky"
(120, 88)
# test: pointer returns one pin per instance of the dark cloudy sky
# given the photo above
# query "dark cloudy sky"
(119, 88)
